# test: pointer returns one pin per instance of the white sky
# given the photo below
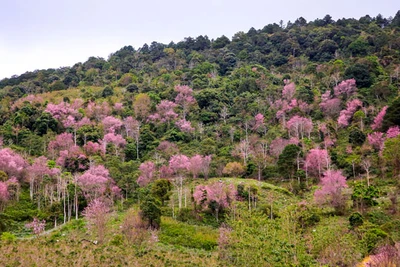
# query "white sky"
(38, 34)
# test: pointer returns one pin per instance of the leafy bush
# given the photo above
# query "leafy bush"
(377, 217)
(180, 234)
(356, 219)
(8, 237)
(373, 238)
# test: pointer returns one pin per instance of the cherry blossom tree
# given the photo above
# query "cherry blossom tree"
(63, 141)
(218, 196)
(166, 172)
(278, 145)
(258, 122)
(61, 111)
(330, 107)
(288, 90)
(347, 114)
(299, 126)
(111, 124)
(97, 111)
(117, 140)
(164, 112)
(32, 99)
(393, 132)
(167, 149)
(346, 87)
(93, 148)
(36, 173)
(184, 126)
(180, 165)
(97, 214)
(71, 122)
(317, 161)
(147, 171)
(379, 119)
(11, 162)
(95, 182)
(196, 164)
(376, 140)
(332, 185)
(37, 226)
(184, 98)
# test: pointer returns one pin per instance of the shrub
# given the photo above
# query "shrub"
(356, 219)
(180, 234)
(373, 238)
(8, 237)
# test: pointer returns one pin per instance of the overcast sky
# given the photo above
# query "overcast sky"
(37, 34)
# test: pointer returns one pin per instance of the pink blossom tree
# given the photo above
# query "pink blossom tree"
(166, 172)
(376, 140)
(184, 126)
(258, 122)
(37, 226)
(95, 182)
(379, 119)
(164, 112)
(93, 148)
(180, 165)
(393, 132)
(63, 141)
(73, 159)
(317, 161)
(278, 145)
(288, 90)
(111, 124)
(167, 149)
(346, 87)
(299, 126)
(330, 107)
(184, 98)
(195, 167)
(147, 170)
(97, 215)
(117, 140)
(61, 111)
(36, 173)
(97, 111)
(12, 163)
(332, 185)
(71, 122)
(218, 193)
(347, 114)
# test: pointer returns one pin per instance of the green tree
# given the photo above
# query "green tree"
(391, 154)
(392, 117)
(288, 160)
(151, 212)
(161, 189)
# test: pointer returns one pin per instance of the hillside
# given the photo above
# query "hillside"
(277, 147)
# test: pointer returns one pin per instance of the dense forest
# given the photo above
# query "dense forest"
(276, 147)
